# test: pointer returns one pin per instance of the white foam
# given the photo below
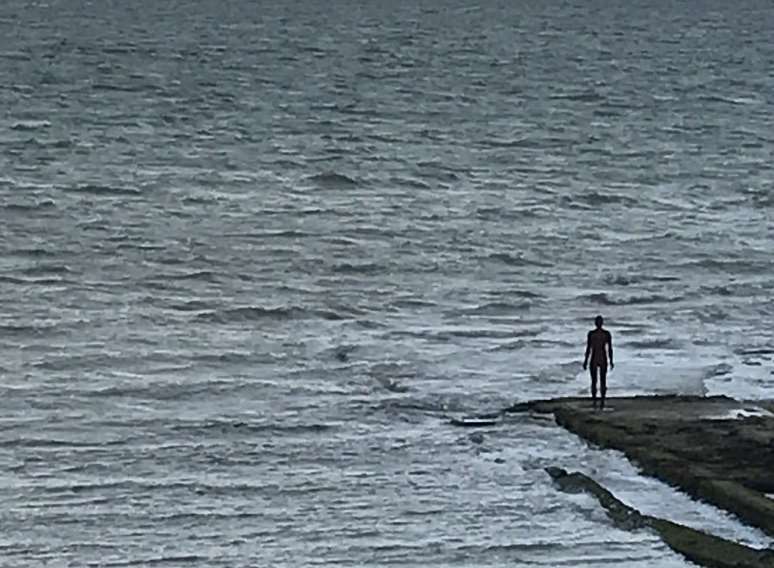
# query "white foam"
(663, 375)
(740, 413)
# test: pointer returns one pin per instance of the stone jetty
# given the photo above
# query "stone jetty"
(716, 449)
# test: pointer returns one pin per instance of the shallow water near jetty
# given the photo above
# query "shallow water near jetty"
(254, 255)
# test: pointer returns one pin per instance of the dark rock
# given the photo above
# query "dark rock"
(477, 438)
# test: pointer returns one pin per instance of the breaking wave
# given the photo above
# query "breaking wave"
(516, 260)
(332, 179)
(495, 309)
(653, 344)
(605, 300)
(103, 190)
(258, 313)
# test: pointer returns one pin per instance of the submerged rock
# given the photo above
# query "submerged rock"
(697, 546)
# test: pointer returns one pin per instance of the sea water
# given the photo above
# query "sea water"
(254, 256)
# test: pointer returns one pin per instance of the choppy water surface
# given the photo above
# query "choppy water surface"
(253, 254)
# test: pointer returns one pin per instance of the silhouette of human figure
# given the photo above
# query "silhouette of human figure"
(596, 343)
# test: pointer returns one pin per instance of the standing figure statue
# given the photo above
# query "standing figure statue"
(599, 345)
